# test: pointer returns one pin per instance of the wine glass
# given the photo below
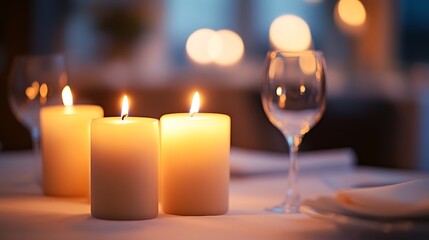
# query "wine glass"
(294, 98)
(35, 81)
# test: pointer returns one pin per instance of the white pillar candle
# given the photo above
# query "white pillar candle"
(124, 167)
(195, 162)
(65, 147)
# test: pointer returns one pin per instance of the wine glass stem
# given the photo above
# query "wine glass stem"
(36, 163)
(35, 139)
(292, 198)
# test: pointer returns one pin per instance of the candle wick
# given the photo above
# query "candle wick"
(192, 114)
(123, 116)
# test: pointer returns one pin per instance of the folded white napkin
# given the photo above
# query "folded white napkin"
(404, 200)
(250, 162)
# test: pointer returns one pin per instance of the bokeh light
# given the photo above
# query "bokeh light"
(43, 91)
(223, 47)
(290, 33)
(32, 91)
(351, 12)
(203, 46)
(232, 49)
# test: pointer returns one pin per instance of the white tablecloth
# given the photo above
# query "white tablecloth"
(26, 214)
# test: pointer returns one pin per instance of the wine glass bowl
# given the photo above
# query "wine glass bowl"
(293, 98)
(35, 81)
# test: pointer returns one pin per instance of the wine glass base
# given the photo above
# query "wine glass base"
(283, 209)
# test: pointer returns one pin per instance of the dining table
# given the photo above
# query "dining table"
(258, 180)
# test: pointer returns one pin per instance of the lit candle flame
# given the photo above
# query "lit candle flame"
(124, 112)
(67, 96)
(195, 107)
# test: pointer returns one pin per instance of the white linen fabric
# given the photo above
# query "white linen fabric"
(403, 200)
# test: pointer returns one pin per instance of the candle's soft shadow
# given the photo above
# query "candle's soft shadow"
(20, 188)
(87, 223)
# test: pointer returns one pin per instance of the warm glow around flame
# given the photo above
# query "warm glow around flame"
(124, 112)
(195, 107)
(67, 96)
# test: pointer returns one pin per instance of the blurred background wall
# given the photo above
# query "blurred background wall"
(378, 72)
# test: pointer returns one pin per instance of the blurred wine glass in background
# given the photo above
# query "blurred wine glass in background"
(35, 81)
(294, 98)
